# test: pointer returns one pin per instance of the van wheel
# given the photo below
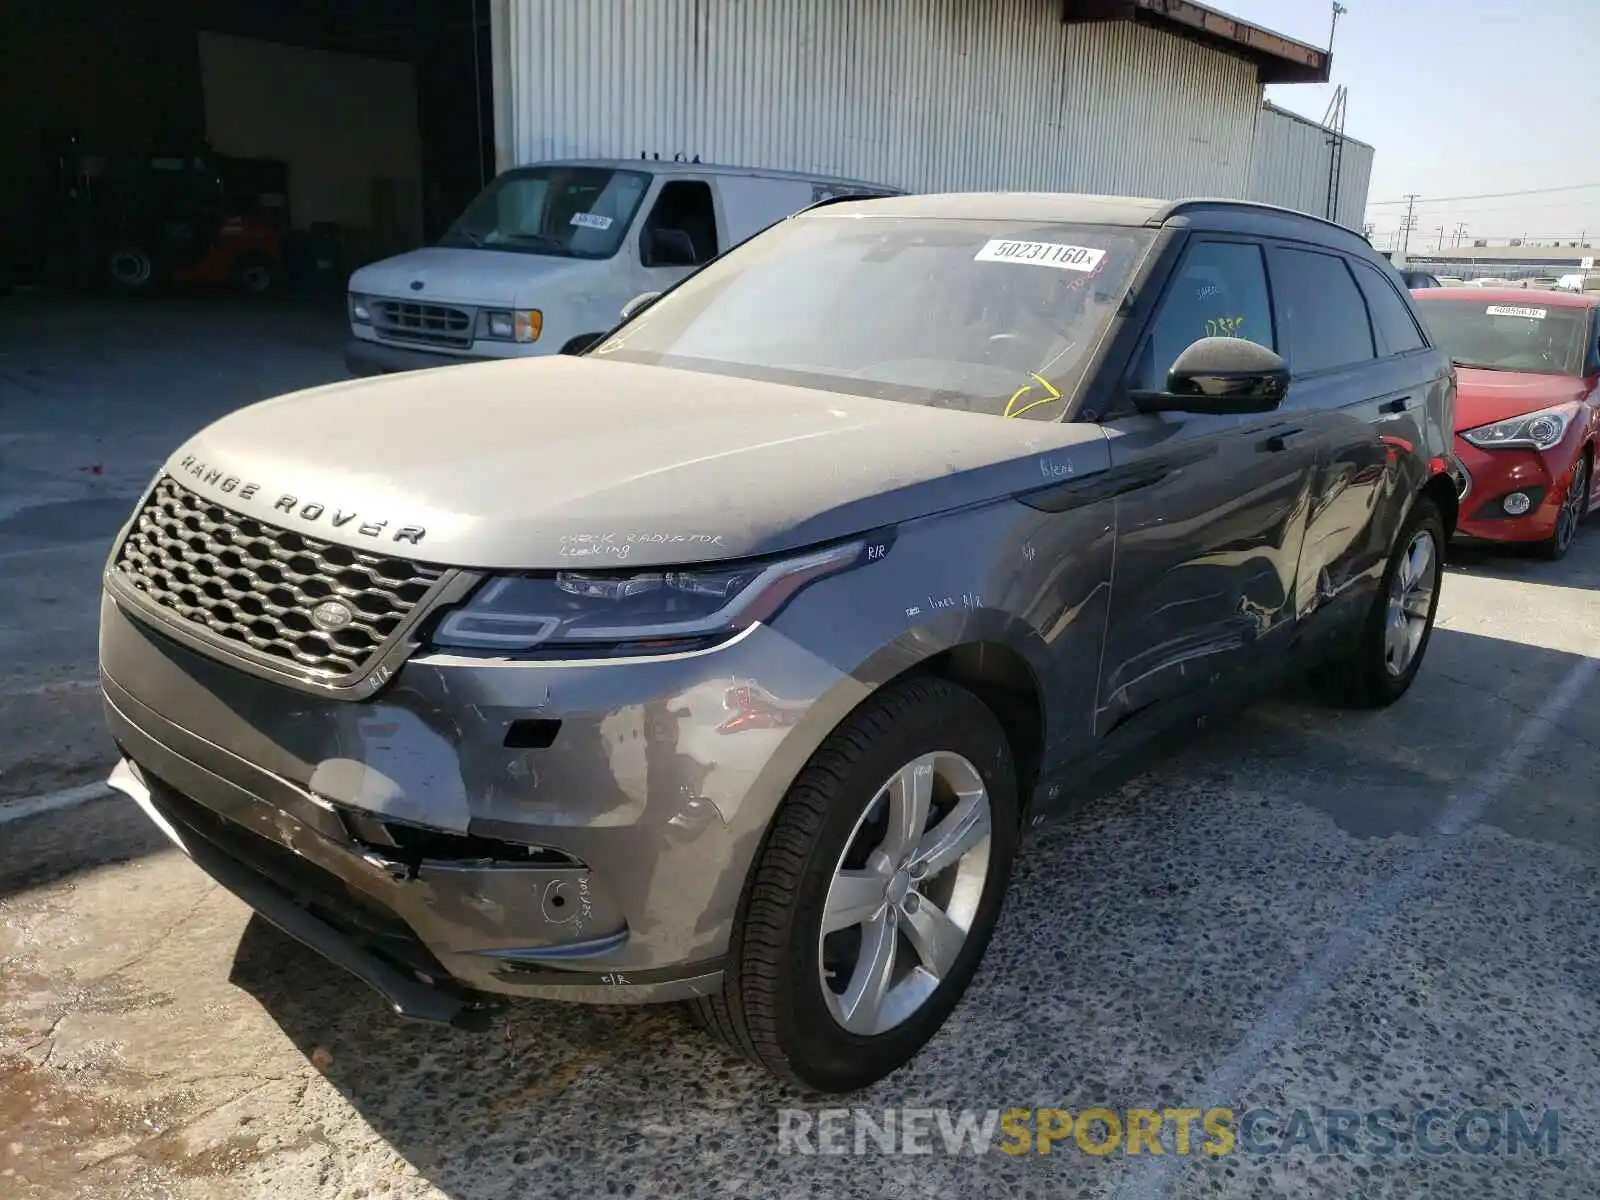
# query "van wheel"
(1386, 651)
(875, 893)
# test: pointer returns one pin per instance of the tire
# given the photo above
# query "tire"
(130, 268)
(1363, 675)
(254, 273)
(1574, 508)
(773, 1007)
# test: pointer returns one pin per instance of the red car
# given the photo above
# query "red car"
(1527, 409)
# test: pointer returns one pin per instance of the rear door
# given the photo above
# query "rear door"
(1210, 509)
(1357, 393)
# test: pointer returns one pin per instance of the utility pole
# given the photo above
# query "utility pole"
(1461, 232)
(1408, 222)
(1339, 10)
(1438, 248)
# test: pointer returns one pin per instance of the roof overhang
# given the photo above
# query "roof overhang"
(1278, 59)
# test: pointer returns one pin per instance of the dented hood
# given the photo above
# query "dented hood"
(568, 461)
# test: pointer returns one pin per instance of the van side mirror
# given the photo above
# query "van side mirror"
(638, 304)
(1220, 375)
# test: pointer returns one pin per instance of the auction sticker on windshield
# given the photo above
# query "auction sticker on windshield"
(591, 220)
(1041, 254)
(1512, 310)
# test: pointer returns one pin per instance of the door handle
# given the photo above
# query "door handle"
(1282, 440)
(1397, 405)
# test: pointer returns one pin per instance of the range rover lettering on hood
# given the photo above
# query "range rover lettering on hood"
(304, 509)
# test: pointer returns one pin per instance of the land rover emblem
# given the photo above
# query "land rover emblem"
(332, 615)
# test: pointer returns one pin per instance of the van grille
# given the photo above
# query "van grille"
(256, 586)
(431, 324)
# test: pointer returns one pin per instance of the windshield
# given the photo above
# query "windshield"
(997, 317)
(572, 212)
(1509, 336)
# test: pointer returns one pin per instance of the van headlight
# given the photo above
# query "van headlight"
(654, 611)
(360, 309)
(1533, 431)
(522, 325)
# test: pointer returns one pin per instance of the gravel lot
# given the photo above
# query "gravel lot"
(1300, 909)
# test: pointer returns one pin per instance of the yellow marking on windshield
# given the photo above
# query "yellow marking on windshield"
(1022, 391)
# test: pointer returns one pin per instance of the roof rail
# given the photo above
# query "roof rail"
(844, 197)
(1177, 207)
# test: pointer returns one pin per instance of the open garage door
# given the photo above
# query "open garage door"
(247, 142)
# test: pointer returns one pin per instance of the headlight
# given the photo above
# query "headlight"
(521, 326)
(1536, 431)
(360, 312)
(650, 611)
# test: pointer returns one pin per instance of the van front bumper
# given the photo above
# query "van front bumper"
(363, 357)
(378, 832)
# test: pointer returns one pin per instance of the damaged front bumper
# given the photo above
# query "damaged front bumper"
(553, 831)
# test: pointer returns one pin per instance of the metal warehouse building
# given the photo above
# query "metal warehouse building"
(370, 125)
(1143, 97)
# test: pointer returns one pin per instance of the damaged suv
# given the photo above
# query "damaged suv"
(726, 661)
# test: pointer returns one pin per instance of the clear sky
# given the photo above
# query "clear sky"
(1460, 98)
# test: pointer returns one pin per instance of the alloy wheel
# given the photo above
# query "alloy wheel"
(905, 892)
(1574, 506)
(1411, 591)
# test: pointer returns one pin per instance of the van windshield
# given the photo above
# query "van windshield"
(993, 316)
(570, 212)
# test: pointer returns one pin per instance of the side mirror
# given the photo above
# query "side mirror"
(1220, 375)
(638, 304)
(667, 248)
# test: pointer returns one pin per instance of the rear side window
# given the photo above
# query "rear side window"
(1325, 321)
(1391, 318)
(1220, 290)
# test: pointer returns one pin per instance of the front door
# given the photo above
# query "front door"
(680, 231)
(1211, 510)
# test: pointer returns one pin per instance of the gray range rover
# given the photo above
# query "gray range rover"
(726, 661)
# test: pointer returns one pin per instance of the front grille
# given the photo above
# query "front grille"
(256, 586)
(430, 324)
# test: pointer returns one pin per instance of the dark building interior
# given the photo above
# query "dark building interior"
(107, 103)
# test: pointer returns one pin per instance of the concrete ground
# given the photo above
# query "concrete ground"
(1303, 909)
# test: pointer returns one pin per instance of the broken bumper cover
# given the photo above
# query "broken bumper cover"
(430, 937)
(418, 836)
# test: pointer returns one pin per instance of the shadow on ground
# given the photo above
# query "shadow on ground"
(1147, 933)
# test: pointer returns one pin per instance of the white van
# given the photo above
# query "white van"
(544, 258)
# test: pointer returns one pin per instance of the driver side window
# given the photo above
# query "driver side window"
(1220, 290)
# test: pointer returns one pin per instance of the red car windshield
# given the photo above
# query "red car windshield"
(1509, 336)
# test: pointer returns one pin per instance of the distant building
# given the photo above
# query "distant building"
(1503, 262)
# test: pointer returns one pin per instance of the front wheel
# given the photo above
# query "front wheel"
(1573, 509)
(875, 893)
(1386, 650)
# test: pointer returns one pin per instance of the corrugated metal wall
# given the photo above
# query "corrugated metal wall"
(1291, 164)
(928, 95)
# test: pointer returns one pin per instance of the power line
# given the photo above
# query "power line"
(1570, 187)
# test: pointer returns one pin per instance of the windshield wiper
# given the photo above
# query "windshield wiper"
(465, 233)
(1476, 366)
